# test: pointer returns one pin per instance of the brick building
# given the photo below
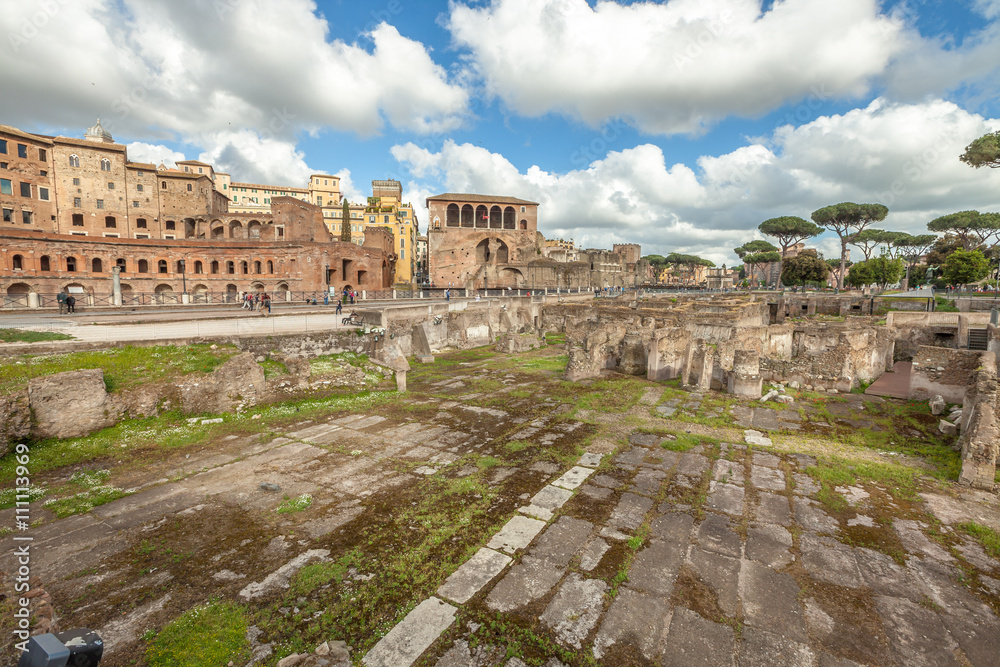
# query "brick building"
(75, 209)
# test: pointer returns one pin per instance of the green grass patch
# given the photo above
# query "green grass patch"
(517, 445)
(555, 364)
(831, 472)
(297, 504)
(209, 635)
(317, 575)
(24, 336)
(555, 338)
(986, 536)
(687, 441)
(124, 367)
(487, 462)
(92, 491)
(273, 367)
(611, 395)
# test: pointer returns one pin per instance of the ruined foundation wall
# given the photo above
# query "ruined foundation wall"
(941, 371)
(979, 440)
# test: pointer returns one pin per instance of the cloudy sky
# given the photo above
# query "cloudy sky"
(680, 125)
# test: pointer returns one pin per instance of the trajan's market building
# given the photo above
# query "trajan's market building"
(75, 210)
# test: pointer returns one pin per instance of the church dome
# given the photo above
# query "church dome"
(98, 133)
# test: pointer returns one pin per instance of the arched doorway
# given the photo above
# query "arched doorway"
(511, 277)
(235, 229)
(199, 293)
(503, 254)
(509, 218)
(482, 217)
(496, 218)
(18, 289)
(231, 293)
(163, 293)
(467, 216)
(451, 216)
(483, 251)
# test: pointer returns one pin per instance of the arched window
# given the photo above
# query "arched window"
(524, 224)
(105, 164)
(143, 266)
(198, 268)
(215, 266)
(179, 266)
(508, 218)
(230, 267)
(246, 268)
(482, 217)
(96, 265)
(74, 160)
(467, 216)
(256, 266)
(496, 218)
(71, 263)
(270, 266)
(452, 215)
(17, 262)
(161, 266)
(120, 263)
(44, 264)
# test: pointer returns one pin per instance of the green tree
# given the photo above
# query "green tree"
(805, 267)
(755, 254)
(911, 248)
(845, 219)
(788, 230)
(659, 261)
(694, 260)
(965, 266)
(971, 227)
(879, 271)
(870, 239)
(345, 222)
(983, 152)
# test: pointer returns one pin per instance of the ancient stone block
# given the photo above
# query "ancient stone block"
(71, 404)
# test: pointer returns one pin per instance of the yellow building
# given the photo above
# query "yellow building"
(384, 209)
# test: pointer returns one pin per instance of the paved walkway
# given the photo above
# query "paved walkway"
(894, 383)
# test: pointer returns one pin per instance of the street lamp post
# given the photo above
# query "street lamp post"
(184, 289)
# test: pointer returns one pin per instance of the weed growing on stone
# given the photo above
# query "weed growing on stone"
(986, 536)
(297, 504)
(92, 491)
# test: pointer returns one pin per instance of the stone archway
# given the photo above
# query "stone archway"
(483, 252)
(511, 277)
(18, 288)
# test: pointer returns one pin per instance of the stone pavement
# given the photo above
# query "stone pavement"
(738, 565)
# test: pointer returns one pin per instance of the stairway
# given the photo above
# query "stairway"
(977, 339)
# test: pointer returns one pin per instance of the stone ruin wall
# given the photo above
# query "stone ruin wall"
(943, 372)
(979, 428)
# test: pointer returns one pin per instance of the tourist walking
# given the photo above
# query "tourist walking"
(61, 300)
(265, 303)
(447, 295)
(340, 306)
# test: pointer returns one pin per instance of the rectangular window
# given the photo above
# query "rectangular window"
(8, 215)
(189, 187)
(43, 173)
(26, 217)
(78, 219)
(100, 203)
(111, 186)
(168, 236)
(5, 187)
(26, 190)
(110, 235)
(522, 209)
(43, 194)
(163, 185)
(42, 157)
(78, 233)
(224, 186)
(402, 254)
(3, 146)
(76, 181)
(138, 188)
(141, 223)
(385, 218)
(371, 218)
(135, 204)
(22, 150)
(77, 202)
(142, 236)
(3, 165)
(171, 224)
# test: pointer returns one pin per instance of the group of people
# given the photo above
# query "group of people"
(256, 302)
(349, 294)
(67, 302)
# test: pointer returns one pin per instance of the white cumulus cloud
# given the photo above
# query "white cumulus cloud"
(677, 66)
